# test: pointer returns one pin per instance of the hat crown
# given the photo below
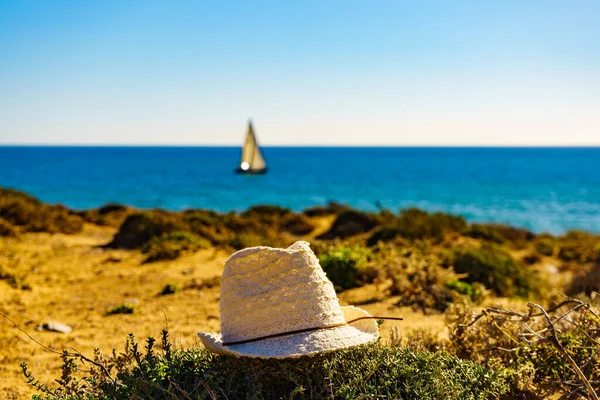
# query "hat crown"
(267, 291)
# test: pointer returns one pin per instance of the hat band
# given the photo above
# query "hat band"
(307, 330)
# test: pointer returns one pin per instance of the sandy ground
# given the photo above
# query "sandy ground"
(74, 281)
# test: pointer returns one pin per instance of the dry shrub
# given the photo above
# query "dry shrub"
(297, 224)
(139, 228)
(320, 211)
(586, 281)
(419, 279)
(27, 212)
(418, 224)
(350, 223)
(108, 215)
(171, 245)
(6, 229)
(536, 346)
(579, 247)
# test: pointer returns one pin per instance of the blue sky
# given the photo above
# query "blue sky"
(308, 73)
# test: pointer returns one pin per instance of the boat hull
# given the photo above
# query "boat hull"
(251, 171)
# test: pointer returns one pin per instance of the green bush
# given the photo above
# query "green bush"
(475, 291)
(494, 268)
(418, 224)
(362, 372)
(348, 267)
(171, 245)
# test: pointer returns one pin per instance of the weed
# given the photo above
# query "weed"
(124, 308)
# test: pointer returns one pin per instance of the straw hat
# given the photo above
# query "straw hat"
(278, 303)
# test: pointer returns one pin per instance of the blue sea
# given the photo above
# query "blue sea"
(543, 189)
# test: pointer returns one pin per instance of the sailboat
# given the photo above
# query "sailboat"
(252, 161)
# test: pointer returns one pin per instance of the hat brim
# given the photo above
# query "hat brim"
(302, 344)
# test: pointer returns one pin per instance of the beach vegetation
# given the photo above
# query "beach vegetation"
(332, 208)
(160, 371)
(6, 228)
(13, 279)
(414, 223)
(31, 215)
(123, 308)
(170, 288)
(297, 224)
(170, 246)
(350, 223)
(138, 228)
(494, 268)
(579, 247)
(383, 234)
(419, 280)
(348, 267)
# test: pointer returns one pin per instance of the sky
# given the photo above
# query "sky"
(382, 73)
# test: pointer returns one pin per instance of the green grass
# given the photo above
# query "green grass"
(364, 372)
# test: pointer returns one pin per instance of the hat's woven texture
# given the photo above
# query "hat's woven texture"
(267, 291)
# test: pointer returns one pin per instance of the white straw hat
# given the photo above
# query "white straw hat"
(278, 303)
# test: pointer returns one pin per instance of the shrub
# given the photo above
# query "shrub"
(169, 246)
(485, 232)
(369, 371)
(383, 234)
(586, 281)
(349, 223)
(6, 228)
(297, 224)
(125, 308)
(418, 224)
(495, 268)
(419, 280)
(545, 246)
(348, 267)
(579, 247)
(475, 291)
(23, 210)
(13, 279)
(139, 228)
(170, 288)
(320, 211)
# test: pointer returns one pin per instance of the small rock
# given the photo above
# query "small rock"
(54, 327)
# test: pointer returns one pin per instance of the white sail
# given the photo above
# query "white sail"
(252, 159)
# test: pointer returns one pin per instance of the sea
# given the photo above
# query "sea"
(541, 189)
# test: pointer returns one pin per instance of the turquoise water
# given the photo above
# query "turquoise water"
(542, 189)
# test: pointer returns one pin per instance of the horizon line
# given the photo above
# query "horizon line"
(336, 145)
